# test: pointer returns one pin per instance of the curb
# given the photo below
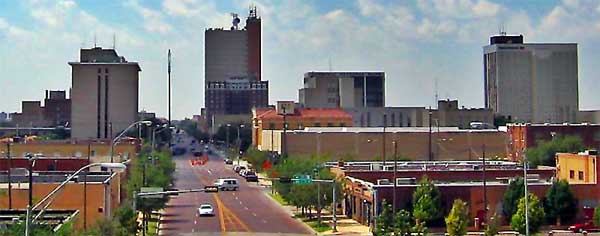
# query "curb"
(292, 215)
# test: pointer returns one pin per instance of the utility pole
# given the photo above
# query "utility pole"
(169, 74)
(9, 177)
(485, 206)
(334, 208)
(430, 153)
(284, 151)
(85, 187)
(30, 197)
(383, 138)
(395, 166)
(526, 194)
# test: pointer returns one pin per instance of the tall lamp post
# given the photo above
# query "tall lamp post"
(227, 136)
(395, 167)
(525, 166)
(239, 142)
(115, 140)
(29, 221)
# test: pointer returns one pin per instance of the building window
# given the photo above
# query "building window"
(271, 125)
(106, 70)
(317, 124)
(342, 124)
(99, 70)
(300, 126)
(580, 173)
(78, 154)
(56, 154)
(93, 153)
(571, 174)
(329, 124)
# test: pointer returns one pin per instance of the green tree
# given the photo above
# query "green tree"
(514, 192)
(385, 221)
(256, 158)
(596, 218)
(492, 226)
(545, 151)
(536, 215)
(560, 203)
(458, 219)
(427, 203)
(402, 223)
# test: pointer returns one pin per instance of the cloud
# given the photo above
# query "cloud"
(459, 9)
(369, 8)
(153, 20)
(52, 13)
(180, 7)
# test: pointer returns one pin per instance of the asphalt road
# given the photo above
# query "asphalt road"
(247, 211)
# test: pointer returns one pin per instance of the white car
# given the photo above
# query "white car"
(206, 210)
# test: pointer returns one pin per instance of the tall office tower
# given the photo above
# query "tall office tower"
(104, 95)
(343, 90)
(232, 56)
(531, 82)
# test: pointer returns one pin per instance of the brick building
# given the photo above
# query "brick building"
(55, 111)
(236, 96)
(365, 188)
(358, 143)
(522, 136)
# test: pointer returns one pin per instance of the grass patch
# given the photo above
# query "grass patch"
(279, 199)
(313, 223)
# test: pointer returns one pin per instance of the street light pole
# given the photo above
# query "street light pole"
(395, 166)
(9, 177)
(227, 136)
(383, 138)
(115, 140)
(239, 141)
(526, 195)
(30, 195)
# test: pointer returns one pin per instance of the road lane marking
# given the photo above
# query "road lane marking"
(246, 208)
(264, 221)
(221, 216)
(254, 214)
(209, 172)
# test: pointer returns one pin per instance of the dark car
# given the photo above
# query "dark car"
(228, 161)
(197, 153)
(251, 176)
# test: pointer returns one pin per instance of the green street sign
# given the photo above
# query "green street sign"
(302, 179)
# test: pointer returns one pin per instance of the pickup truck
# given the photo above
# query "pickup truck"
(587, 227)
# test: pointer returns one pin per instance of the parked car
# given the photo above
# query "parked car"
(243, 172)
(206, 209)
(587, 226)
(197, 153)
(237, 169)
(228, 161)
(227, 184)
(251, 176)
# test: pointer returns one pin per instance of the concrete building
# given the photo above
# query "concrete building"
(4, 117)
(523, 136)
(233, 82)
(531, 82)
(395, 116)
(342, 90)
(266, 121)
(236, 96)
(105, 93)
(589, 116)
(413, 143)
(577, 168)
(56, 111)
(450, 115)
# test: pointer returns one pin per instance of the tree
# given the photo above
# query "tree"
(457, 220)
(560, 203)
(427, 202)
(493, 225)
(536, 215)
(256, 158)
(596, 218)
(514, 192)
(402, 223)
(545, 151)
(384, 221)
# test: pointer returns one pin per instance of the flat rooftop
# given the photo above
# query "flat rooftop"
(390, 130)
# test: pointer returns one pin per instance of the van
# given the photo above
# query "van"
(227, 184)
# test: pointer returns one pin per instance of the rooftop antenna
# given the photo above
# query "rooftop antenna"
(436, 91)
(236, 21)
(114, 40)
(94, 39)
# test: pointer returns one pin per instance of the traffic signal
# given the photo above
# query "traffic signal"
(285, 180)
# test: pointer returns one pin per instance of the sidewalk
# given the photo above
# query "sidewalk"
(345, 226)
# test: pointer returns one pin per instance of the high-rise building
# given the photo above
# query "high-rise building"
(531, 82)
(105, 90)
(343, 90)
(233, 82)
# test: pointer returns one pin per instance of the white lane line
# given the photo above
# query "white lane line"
(264, 221)
(195, 222)
(209, 172)
(247, 209)
(254, 214)
(241, 203)
(236, 198)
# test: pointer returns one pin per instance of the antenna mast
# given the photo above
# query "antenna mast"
(169, 74)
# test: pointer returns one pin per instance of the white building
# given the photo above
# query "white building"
(341, 89)
(105, 91)
(531, 82)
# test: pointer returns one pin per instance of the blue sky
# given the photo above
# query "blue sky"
(414, 42)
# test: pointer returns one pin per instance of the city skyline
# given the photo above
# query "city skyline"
(415, 43)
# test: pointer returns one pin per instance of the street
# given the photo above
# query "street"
(248, 210)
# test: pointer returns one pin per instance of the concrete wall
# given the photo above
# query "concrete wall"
(123, 91)
(225, 54)
(396, 116)
(457, 145)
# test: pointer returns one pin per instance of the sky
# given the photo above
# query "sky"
(419, 44)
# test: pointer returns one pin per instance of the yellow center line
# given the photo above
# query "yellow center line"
(239, 221)
(221, 215)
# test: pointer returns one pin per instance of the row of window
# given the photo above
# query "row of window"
(77, 154)
(579, 175)
(100, 70)
(316, 124)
